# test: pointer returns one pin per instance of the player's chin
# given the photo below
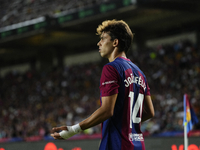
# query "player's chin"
(103, 55)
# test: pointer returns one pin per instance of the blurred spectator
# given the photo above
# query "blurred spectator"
(15, 11)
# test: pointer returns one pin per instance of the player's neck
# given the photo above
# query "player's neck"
(115, 54)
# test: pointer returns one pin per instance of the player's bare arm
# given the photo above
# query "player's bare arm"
(148, 109)
(103, 113)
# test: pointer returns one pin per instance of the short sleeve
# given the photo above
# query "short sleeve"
(147, 90)
(110, 81)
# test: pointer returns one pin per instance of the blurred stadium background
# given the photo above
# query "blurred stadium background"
(50, 68)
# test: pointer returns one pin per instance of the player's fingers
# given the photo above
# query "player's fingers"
(56, 136)
(56, 129)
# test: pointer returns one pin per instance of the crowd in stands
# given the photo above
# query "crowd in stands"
(15, 11)
(172, 70)
(34, 102)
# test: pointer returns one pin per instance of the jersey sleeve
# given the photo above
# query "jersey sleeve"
(110, 81)
(148, 89)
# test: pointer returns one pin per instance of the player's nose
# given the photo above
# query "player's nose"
(98, 44)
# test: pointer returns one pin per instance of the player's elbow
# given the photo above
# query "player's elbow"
(109, 114)
(147, 115)
(148, 107)
(151, 114)
(106, 113)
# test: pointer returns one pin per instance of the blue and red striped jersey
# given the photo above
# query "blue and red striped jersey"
(122, 130)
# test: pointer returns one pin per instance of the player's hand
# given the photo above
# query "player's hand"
(67, 131)
(55, 133)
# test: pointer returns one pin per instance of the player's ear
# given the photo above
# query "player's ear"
(115, 42)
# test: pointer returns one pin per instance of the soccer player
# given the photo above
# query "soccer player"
(124, 93)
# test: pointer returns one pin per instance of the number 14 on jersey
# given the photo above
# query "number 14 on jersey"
(135, 109)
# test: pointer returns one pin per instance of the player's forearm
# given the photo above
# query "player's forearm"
(96, 118)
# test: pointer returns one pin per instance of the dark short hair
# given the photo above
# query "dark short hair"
(117, 29)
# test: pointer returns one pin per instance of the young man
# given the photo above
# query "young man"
(124, 91)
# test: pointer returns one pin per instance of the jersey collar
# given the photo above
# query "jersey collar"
(124, 58)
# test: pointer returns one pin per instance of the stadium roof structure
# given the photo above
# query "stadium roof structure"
(147, 19)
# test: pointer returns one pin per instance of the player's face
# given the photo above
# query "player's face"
(105, 45)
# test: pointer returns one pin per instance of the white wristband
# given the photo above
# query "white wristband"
(76, 128)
